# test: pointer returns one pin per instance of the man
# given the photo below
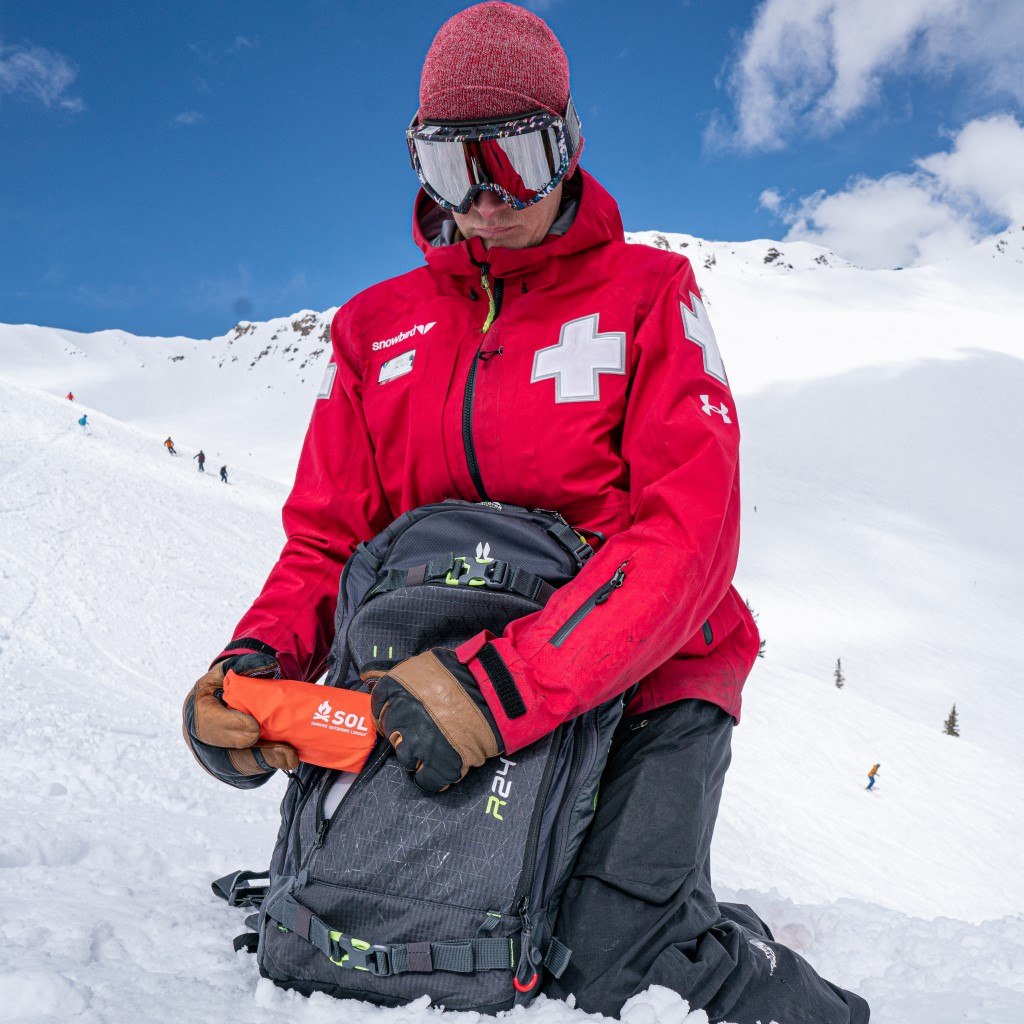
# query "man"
(872, 775)
(539, 360)
(200, 457)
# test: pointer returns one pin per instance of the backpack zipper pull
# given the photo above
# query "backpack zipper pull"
(321, 835)
(526, 977)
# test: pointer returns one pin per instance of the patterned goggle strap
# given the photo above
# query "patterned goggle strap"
(521, 160)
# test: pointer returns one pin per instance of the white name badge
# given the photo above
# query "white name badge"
(397, 367)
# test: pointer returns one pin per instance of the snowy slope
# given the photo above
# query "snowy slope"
(120, 569)
(882, 456)
(882, 450)
(244, 397)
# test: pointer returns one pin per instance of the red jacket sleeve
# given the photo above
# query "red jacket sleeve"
(680, 441)
(337, 501)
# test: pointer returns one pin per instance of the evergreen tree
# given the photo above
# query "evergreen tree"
(952, 726)
(764, 643)
(838, 674)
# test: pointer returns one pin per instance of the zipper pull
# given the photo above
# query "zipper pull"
(527, 976)
(613, 584)
(492, 307)
(321, 835)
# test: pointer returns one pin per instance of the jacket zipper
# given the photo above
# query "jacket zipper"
(599, 596)
(494, 295)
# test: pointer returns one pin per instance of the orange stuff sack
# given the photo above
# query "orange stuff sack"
(327, 726)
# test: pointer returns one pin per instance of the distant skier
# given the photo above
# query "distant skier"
(871, 775)
(83, 422)
(201, 457)
(224, 474)
(169, 445)
(71, 396)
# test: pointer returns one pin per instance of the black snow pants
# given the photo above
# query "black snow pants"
(639, 909)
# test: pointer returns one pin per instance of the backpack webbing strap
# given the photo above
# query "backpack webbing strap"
(571, 541)
(557, 957)
(493, 575)
(237, 891)
(461, 957)
(465, 957)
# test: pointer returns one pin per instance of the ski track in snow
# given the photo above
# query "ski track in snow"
(122, 569)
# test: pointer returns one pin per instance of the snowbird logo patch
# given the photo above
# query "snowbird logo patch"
(403, 336)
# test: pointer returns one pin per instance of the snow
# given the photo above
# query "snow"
(883, 456)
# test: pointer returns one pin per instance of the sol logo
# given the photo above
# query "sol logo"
(501, 784)
(341, 721)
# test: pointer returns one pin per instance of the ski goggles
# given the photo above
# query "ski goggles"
(521, 160)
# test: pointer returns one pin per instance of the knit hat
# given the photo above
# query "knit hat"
(494, 59)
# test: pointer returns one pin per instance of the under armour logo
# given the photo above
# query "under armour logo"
(708, 408)
(578, 360)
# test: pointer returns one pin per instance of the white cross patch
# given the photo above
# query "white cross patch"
(708, 408)
(578, 360)
(697, 328)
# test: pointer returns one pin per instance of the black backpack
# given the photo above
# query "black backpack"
(398, 893)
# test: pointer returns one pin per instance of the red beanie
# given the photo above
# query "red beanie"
(494, 59)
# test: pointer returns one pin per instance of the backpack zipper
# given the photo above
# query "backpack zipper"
(494, 296)
(599, 596)
(525, 887)
(323, 824)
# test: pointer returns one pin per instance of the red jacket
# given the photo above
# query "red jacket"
(597, 391)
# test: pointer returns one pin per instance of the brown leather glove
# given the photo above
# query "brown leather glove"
(431, 711)
(226, 742)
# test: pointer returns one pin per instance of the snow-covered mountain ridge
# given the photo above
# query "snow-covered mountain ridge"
(783, 312)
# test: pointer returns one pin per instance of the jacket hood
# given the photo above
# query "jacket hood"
(597, 221)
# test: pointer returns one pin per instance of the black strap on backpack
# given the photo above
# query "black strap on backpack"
(467, 956)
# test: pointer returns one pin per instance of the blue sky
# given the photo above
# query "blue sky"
(173, 167)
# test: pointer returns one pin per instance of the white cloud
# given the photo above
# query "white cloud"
(771, 200)
(35, 73)
(811, 65)
(987, 165)
(189, 117)
(913, 218)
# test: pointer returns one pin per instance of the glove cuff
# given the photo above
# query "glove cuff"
(464, 676)
(244, 645)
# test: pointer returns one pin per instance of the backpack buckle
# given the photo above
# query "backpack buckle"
(358, 955)
(493, 574)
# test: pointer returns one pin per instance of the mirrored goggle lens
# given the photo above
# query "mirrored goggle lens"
(522, 165)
